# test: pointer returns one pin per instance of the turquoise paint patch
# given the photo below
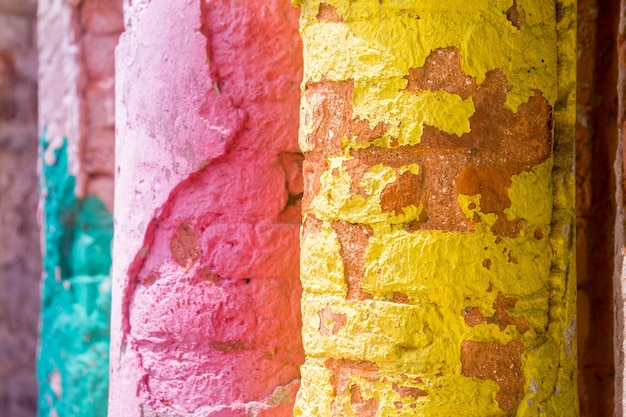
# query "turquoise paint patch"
(73, 360)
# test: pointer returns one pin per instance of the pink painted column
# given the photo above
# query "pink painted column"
(206, 292)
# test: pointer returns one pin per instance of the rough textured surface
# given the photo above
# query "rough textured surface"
(20, 263)
(76, 42)
(596, 143)
(437, 247)
(206, 315)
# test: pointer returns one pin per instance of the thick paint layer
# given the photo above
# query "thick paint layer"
(74, 338)
(437, 242)
(206, 319)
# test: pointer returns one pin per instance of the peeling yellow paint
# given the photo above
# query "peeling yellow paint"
(406, 113)
(334, 201)
(423, 282)
(374, 36)
(327, 263)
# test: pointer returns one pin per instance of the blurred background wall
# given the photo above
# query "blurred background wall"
(20, 260)
(76, 47)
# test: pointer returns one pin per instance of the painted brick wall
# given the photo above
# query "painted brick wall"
(437, 246)
(76, 122)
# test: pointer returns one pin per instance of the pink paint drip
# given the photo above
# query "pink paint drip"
(206, 317)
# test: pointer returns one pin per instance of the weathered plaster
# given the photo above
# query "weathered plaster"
(437, 258)
(206, 315)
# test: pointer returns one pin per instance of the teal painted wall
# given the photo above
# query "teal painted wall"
(73, 357)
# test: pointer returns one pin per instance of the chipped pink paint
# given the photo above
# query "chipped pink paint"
(206, 293)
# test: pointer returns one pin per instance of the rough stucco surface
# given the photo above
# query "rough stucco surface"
(206, 294)
(437, 245)
(20, 263)
(76, 120)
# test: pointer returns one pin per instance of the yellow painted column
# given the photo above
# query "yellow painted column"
(437, 257)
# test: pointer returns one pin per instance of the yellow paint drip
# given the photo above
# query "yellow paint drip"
(399, 350)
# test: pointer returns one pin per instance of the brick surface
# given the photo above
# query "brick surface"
(98, 51)
(77, 88)
(16, 31)
(102, 16)
(18, 7)
(102, 186)
(20, 261)
(100, 104)
(99, 157)
(427, 239)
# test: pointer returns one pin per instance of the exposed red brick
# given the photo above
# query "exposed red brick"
(326, 315)
(515, 16)
(353, 239)
(98, 55)
(400, 298)
(99, 152)
(501, 317)
(342, 369)
(184, 245)
(99, 100)
(363, 407)
(328, 13)
(499, 363)
(479, 162)
(404, 191)
(102, 16)
(405, 391)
